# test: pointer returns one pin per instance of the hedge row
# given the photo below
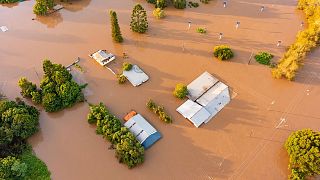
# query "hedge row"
(128, 149)
(305, 42)
(159, 110)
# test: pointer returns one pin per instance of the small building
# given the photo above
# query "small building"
(146, 134)
(102, 57)
(207, 96)
(136, 76)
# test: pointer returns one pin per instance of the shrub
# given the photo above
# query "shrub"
(179, 4)
(205, 1)
(158, 13)
(201, 30)
(263, 58)
(159, 110)
(180, 91)
(139, 22)
(306, 40)
(303, 147)
(128, 149)
(57, 89)
(115, 28)
(161, 4)
(121, 79)
(222, 52)
(193, 4)
(152, 1)
(42, 7)
(126, 66)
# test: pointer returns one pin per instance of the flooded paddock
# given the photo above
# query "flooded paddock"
(244, 141)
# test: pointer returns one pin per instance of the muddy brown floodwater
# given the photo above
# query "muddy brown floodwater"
(241, 142)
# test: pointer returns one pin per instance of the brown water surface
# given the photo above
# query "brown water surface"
(241, 142)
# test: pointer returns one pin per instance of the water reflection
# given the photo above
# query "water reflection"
(10, 5)
(53, 19)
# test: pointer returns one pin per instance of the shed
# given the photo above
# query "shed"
(194, 112)
(207, 96)
(200, 85)
(136, 76)
(146, 134)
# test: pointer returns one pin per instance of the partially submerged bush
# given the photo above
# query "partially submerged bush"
(42, 7)
(222, 52)
(128, 149)
(193, 4)
(121, 79)
(57, 89)
(161, 4)
(126, 66)
(306, 40)
(180, 91)
(159, 110)
(201, 30)
(263, 58)
(179, 4)
(158, 13)
(303, 147)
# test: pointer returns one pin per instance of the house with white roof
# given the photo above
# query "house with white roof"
(207, 96)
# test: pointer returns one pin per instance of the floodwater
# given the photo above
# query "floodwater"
(241, 142)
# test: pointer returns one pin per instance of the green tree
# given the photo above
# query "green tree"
(303, 147)
(42, 7)
(161, 4)
(27, 87)
(139, 22)
(180, 91)
(115, 28)
(12, 168)
(179, 4)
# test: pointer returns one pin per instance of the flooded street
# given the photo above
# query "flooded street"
(244, 141)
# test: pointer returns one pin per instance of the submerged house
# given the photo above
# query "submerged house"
(136, 76)
(103, 57)
(207, 96)
(146, 134)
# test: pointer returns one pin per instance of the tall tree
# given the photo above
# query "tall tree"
(139, 22)
(115, 28)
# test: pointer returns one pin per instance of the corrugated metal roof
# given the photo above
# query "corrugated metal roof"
(200, 85)
(136, 76)
(212, 93)
(189, 109)
(200, 117)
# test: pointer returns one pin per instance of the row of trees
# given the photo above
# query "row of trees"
(18, 122)
(303, 147)
(128, 149)
(159, 110)
(57, 88)
(306, 40)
